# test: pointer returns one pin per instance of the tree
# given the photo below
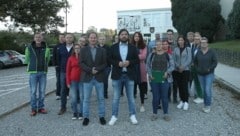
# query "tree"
(40, 15)
(234, 20)
(197, 15)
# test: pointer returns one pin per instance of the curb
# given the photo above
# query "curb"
(224, 84)
(24, 104)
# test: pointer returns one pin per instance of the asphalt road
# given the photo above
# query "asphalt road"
(223, 120)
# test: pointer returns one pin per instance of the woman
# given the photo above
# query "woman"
(73, 73)
(205, 62)
(138, 41)
(159, 67)
(182, 59)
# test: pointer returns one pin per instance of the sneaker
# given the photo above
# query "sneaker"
(58, 97)
(133, 119)
(62, 111)
(185, 106)
(85, 121)
(80, 117)
(154, 117)
(102, 120)
(206, 109)
(75, 116)
(112, 121)
(42, 110)
(166, 117)
(180, 105)
(198, 100)
(33, 113)
(142, 109)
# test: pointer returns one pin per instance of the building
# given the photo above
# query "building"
(146, 21)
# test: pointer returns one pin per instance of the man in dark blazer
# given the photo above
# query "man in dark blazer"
(124, 58)
(93, 62)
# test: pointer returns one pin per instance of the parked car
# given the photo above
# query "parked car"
(20, 56)
(7, 59)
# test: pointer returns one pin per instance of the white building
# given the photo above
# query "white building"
(144, 20)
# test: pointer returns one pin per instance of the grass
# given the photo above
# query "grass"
(233, 45)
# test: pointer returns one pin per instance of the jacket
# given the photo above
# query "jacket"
(73, 71)
(183, 59)
(37, 58)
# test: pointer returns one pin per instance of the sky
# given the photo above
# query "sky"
(103, 13)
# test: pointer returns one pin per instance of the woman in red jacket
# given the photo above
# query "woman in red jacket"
(73, 73)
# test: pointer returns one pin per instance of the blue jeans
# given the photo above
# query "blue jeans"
(37, 82)
(206, 82)
(76, 91)
(160, 92)
(63, 90)
(87, 92)
(117, 87)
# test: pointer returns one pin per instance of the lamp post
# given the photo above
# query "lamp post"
(66, 13)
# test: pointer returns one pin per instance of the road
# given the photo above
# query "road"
(14, 87)
(223, 120)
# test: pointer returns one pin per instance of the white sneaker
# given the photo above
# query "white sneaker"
(185, 106)
(112, 121)
(142, 109)
(180, 105)
(58, 97)
(198, 100)
(206, 109)
(133, 119)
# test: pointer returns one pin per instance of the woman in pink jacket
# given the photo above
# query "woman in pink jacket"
(73, 74)
(141, 82)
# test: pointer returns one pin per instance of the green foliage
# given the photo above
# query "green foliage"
(234, 20)
(233, 45)
(196, 15)
(40, 15)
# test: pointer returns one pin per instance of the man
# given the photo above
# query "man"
(93, 62)
(64, 53)
(190, 39)
(102, 41)
(61, 39)
(124, 58)
(152, 44)
(37, 57)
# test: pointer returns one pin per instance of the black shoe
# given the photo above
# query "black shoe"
(102, 120)
(159, 107)
(75, 116)
(80, 116)
(85, 121)
(62, 111)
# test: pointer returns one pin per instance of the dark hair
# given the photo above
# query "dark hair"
(141, 44)
(170, 30)
(122, 30)
(181, 36)
(92, 32)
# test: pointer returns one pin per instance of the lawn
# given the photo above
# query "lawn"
(233, 45)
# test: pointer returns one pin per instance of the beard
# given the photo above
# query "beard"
(124, 40)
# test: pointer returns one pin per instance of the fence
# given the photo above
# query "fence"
(228, 57)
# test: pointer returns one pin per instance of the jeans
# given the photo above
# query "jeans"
(87, 92)
(106, 75)
(76, 91)
(206, 82)
(160, 92)
(117, 87)
(58, 85)
(63, 90)
(37, 82)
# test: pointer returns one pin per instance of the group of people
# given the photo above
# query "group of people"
(168, 66)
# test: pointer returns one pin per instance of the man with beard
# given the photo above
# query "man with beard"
(124, 58)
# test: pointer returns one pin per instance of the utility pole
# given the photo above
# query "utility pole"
(82, 16)
(66, 11)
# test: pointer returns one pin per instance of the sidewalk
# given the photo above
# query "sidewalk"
(228, 77)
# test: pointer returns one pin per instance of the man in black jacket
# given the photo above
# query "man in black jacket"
(124, 58)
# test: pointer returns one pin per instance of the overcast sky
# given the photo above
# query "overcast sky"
(103, 13)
